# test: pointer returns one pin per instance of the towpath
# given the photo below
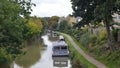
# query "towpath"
(89, 58)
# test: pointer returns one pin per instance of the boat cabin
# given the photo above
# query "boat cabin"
(60, 48)
(61, 38)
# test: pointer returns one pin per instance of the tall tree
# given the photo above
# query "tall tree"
(63, 26)
(97, 10)
(53, 21)
(13, 14)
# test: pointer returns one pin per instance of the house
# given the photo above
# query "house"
(116, 19)
(71, 20)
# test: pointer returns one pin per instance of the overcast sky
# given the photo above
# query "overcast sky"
(48, 8)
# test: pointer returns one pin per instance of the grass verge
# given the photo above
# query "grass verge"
(110, 64)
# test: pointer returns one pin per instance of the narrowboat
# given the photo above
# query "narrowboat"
(60, 48)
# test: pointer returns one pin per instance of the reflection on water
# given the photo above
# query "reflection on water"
(52, 39)
(60, 61)
(36, 57)
(31, 57)
(6, 65)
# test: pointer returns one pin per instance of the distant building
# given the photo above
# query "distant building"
(71, 20)
(116, 17)
(78, 19)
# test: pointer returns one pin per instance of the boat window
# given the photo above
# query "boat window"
(56, 47)
(64, 47)
(62, 40)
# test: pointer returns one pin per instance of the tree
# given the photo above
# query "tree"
(83, 9)
(53, 21)
(63, 26)
(44, 23)
(34, 26)
(13, 17)
(97, 10)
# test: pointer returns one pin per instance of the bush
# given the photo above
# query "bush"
(4, 57)
(103, 35)
(76, 63)
(115, 34)
(85, 40)
(93, 38)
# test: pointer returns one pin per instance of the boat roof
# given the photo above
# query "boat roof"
(61, 37)
(59, 43)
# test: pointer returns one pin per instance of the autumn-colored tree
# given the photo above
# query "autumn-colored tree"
(53, 21)
(34, 26)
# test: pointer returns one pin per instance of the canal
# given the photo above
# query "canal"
(40, 56)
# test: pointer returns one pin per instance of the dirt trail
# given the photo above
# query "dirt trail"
(89, 58)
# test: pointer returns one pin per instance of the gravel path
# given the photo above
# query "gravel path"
(89, 58)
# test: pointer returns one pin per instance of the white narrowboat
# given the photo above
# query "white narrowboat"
(60, 48)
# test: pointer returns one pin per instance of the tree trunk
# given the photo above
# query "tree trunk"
(108, 18)
(107, 23)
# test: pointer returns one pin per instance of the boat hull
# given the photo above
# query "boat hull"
(60, 55)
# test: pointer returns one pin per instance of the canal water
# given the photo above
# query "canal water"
(41, 57)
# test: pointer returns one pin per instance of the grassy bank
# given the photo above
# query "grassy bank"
(106, 58)
(83, 48)
(85, 62)
(109, 59)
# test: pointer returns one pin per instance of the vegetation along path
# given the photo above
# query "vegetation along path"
(89, 58)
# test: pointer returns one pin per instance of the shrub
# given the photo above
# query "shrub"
(103, 34)
(85, 40)
(76, 63)
(4, 57)
(115, 34)
(93, 38)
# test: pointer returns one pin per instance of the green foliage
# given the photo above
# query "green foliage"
(34, 27)
(96, 10)
(13, 18)
(76, 57)
(44, 23)
(4, 57)
(63, 26)
(103, 34)
(54, 26)
(115, 34)
(76, 63)
(53, 22)
(93, 39)
(85, 40)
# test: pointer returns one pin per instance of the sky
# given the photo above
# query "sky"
(48, 8)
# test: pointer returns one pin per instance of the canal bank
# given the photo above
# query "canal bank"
(84, 58)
